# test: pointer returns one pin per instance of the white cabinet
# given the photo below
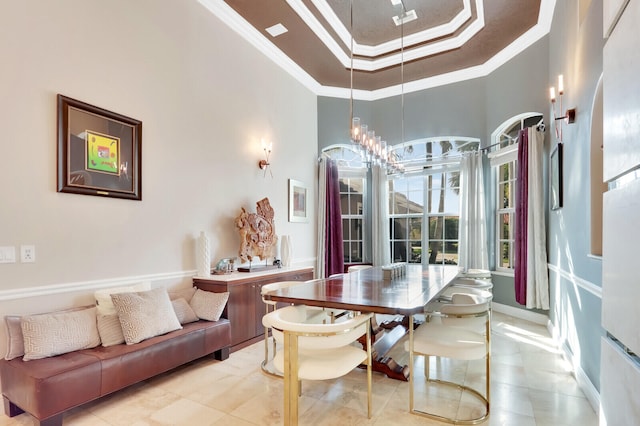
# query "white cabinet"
(621, 94)
(619, 387)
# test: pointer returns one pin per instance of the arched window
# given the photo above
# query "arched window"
(503, 158)
(352, 173)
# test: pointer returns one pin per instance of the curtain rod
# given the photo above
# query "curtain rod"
(539, 127)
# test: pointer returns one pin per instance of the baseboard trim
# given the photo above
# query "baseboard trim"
(587, 387)
(22, 293)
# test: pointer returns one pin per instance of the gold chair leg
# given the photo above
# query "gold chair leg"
(291, 382)
(411, 360)
(484, 398)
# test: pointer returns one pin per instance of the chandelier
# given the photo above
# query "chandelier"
(372, 149)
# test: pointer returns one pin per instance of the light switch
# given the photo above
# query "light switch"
(8, 254)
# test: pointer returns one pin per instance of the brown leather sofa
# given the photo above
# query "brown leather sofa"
(46, 388)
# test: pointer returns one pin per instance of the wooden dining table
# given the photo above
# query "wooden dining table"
(368, 290)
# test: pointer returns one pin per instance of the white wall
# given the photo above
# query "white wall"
(205, 97)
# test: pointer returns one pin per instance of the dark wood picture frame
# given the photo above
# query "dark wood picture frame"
(555, 178)
(99, 151)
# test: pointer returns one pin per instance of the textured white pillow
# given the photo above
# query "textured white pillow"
(103, 297)
(145, 314)
(209, 305)
(15, 342)
(184, 312)
(52, 334)
(182, 293)
(110, 330)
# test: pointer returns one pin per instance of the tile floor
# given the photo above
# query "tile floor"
(530, 385)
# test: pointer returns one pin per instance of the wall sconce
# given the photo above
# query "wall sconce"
(264, 164)
(569, 116)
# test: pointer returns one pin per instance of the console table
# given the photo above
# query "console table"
(245, 307)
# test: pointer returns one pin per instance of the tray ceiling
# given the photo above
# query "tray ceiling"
(447, 41)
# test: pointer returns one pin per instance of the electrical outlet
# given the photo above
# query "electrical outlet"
(27, 254)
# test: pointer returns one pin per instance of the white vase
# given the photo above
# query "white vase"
(285, 250)
(203, 255)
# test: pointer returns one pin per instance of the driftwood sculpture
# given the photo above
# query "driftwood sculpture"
(257, 232)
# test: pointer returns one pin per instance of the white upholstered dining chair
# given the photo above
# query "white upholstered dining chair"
(460, 330)
(317, 351)
(473, 283)
(270, 306)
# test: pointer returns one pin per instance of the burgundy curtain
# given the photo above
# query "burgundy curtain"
(334, 256)
(522, 206)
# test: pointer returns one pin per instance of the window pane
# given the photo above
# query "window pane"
(450, 255)
(356, 251)
(415, 228)
(355, 229)
(435, 252)
(356, 185)
(400, 205)
(414, 202)
(355, 204)
(399, 251)
(344, 203)
(435, 228)
(505, 226)
(503, 173)
(399, 229)
(451, 228)
(345, 230)
(345, 249)
(416, 252)
(506, 195)
(505, 254)
(437, 201)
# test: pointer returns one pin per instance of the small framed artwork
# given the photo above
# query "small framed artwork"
(297, 202)
(99, 151)
(555, 178)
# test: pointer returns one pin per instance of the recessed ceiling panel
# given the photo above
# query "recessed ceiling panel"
(447, 36)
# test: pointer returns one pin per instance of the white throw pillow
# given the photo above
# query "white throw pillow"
(184, 312)
(145, 314)
(52, 334)
(103, 297)
(110, 330)
(182, 293)
(15, 341)
(209, 305)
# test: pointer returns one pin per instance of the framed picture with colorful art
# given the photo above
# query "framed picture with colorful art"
(99, 151)
(297, 201)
